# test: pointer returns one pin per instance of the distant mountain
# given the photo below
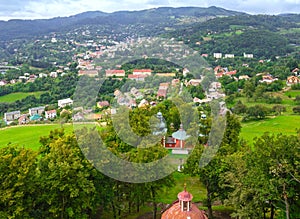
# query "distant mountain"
(157, 18)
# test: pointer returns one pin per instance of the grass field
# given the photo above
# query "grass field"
(286, 101)
(292, 93)
(28, 136)
(281, 124)
(9, 98)
(194, 186)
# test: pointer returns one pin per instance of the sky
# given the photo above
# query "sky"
(36, 9)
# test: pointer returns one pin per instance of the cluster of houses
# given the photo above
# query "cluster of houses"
(27, 78)
(35, 114)
(229, 56)
(266, 77)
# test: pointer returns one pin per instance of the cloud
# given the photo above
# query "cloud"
(53, 8)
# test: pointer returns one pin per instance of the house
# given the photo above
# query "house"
(36, 110)
(193, 82)
(185, 71)
(162, 93)
(136, 93)
(117, 73)
(249, 56)
(51, 114)
(268, 78)
(102, 104)
(231, 56)
(53, 74)
(137, 77)
(292, 80)
(23, 119)
(142, 72)
(11, 116)
(164, 86)
(143, 103)
(204, 55)
(216, 85)
(90, 73)
(230, 73)
(295, 71)
(117, 93)
(78, 117)
(43, 75)
(65, 102)
(244, 77)
(2, 83)
(175, 82)
(166, 74)
(215, 95)
(162, 90)
(217, 55)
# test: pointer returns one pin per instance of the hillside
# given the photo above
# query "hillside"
(161, 17)
(262, 35)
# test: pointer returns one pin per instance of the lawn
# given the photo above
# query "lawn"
(28, 136)
(292, 93)
(169, 195)
(10, 98)
(280, 124)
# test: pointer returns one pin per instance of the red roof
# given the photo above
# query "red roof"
(142, 70)
(231, 72)
(51, 111)
(114, 71)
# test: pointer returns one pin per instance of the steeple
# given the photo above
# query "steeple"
(185, 199)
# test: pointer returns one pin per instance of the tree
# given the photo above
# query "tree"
(66, 180)
(266, 179)
(257, 112)
(210, 174)
(249, 89)
(18, 179)
(259, 91)
(296, 109)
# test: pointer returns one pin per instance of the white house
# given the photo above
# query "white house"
(249, 56)
(142, 72)
(230, 56)
(65, 102)
(36, 110)
(11, 116)
(217, 55)
(51, 114)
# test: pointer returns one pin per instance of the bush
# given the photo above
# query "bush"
(296, 109)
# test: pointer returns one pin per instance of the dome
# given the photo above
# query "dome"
(183, 208)
(175, 212)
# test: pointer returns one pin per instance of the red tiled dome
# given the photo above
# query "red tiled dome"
(183, 208)
(175, 213)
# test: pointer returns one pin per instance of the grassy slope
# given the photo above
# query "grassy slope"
(28, 136)
(9, 98)
(285, 124)
(194, 186)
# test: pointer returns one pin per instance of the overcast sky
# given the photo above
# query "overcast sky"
(32, 9)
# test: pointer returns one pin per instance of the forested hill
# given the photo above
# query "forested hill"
(154, 19)
(262, 35)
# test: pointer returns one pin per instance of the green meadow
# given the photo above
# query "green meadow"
(169, 194)
(28, 136)
(10, 98)
(280, 124)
